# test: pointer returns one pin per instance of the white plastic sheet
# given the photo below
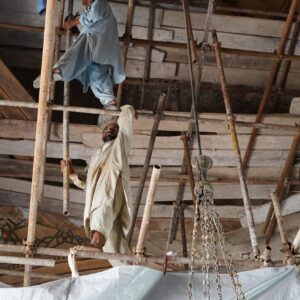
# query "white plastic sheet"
(136, 282)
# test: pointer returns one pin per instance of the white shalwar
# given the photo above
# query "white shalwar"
(108, 206)
(95, 57)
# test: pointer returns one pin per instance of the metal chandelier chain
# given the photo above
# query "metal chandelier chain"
(207, 221)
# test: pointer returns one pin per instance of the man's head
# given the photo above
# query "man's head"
(87, 3)
(110, 132)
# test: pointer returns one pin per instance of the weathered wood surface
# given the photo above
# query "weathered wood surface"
(289, 206)
(165, 157)
(26, 129)
(166, 191)
(256, 175)
(11, 89)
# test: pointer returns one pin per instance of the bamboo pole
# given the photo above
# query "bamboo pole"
(271, 79)
(66, 150)
(189, 30)
(147, 210)
(160, 108)
(167, 116)
(286, 246)
(236, 148)
(270, 221)
(126, 41)
(39, 153)
(125, 257)
(15, 260)
(277, 211)
(147, 64)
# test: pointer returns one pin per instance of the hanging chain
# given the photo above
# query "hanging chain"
(207, 219)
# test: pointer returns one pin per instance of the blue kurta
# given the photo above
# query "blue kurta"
(98, 43)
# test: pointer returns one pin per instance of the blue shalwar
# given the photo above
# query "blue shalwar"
(95, 57)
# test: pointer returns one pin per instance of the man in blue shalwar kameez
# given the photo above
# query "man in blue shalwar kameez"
(95, 57)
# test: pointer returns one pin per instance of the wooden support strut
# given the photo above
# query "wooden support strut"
(126, 41)
(41, 130)
(236, 148)
(160, 108)
(148, 209)
(270, 222)
(271, 79)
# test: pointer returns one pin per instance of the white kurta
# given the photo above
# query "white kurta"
(108, 206)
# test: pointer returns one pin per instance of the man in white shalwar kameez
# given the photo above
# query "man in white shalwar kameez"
(95, 57)
(108, 206)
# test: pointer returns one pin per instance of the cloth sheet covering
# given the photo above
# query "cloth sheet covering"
(137, 282)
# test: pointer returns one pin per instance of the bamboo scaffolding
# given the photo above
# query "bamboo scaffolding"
(236, 148)
(15, 260)
(167, 116)
(41, 130)
(270, 80)
(147, 210)
(66, 150)
(126, 41)
(270, 222)
(126, 257)
(147, 64)
(160, 108)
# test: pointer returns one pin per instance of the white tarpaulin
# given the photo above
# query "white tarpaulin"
(136, 282)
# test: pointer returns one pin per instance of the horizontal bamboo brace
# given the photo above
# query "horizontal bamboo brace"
(145, 114)
(27, 261)
(250, 264)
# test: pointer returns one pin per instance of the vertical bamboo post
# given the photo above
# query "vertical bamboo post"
(148, 209)
(236, 148)
(160, 108)
(41, 137)
(130, 14)
(66, 152)
(270, 81)
(270, 219)
(147, 64)
(60, 21)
